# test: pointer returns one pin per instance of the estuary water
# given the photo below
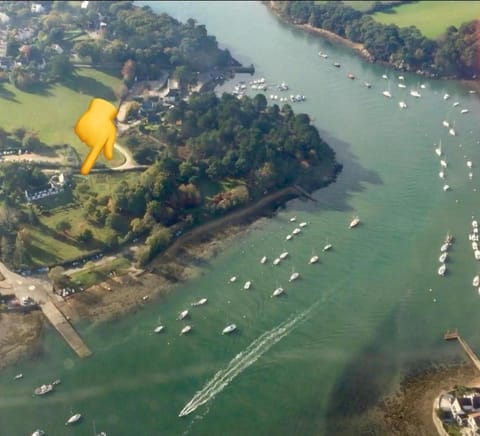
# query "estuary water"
(316, 359)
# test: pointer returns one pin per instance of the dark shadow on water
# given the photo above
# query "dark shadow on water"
(89, 86)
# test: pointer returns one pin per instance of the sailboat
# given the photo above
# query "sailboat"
(438, 150)
(294, 276)
(327, 246)
(415, 93)
(314, 258)
(452, 130)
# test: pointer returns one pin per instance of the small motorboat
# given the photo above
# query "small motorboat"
(294, 276)
(247, 285)
(469, 164)
(443, 163)
(200, 302)
(293, 219)
(233, 279)
(444, 247)
(56, 382)
(415, 94)
(474, 223)
(446, 188)
(44, 389)
(423, 86)
(351, 76)
(441, 174)
(186, 329)
(38, 432)
(449, 239)
(477, 254)
(470, 175)
(443, 257)
(288, 237)
(442, 270)
(229, 329)
(401, 78)
(296, 231)
(387, 94)
(476, 281)
(474, 245)
(402, 85)
(183, 314)
(277, 261)
(446, 96)
(74, 418)
(384, 76)
(277, 292)
(445, 123)
(455, 104)
(314, 259)
(284, 255)
(158, 329)
(402, 104)
(452, 131)
(464, 111)
(304, 224)
(355, 222)
(367, 84)
(263, 259)
(336, 65)
(18, 376)
(327, 247)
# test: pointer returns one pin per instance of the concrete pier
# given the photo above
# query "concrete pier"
(452, 335)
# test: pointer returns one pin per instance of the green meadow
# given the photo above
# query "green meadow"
(432, 18)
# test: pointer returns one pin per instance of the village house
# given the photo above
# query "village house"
(84, 5)
(37, 8)
(474, 422)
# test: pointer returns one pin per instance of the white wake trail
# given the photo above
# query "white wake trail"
(242, 361)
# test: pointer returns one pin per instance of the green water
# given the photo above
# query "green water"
(313, 361)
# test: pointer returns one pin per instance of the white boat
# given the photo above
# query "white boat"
(438, 150)
(74, 418)
(324, 55)
(183, 315)
(284, 255)
(200, 302)
(474, 223)
(18, 376)
(293, 219)
(442, 270)
(402, 85)
(186, 330)
(355, 222)
(233, 279)
(464, 111)
(229, 329)
(38, 432)
(401, 78)
(296, 231)
(314, 259)
(446, 188)
(384, 76)
(415, 93)
(277, 292)
(444, 247)
(448, 239)
(446, 96)
(294, 276)
(288, 237)
(277, 261)
(455, 104)
(367, 84)
(477, 254)
(452, 132)
(402, 104)
(445, 123)
(475, 231)
(263, 259)
(247, 285)
(443, 163)
(304, 224)
(443, 257)
(327, 247)
(441, 174)
(423, 86)
(469, 163)
(158, 329)
(476, 281)
(472, 91)
(474, 245)
(44, 389)
(470, 175)
(387, 94)
(56, 382)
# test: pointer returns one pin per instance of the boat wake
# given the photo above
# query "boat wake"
(242, 361)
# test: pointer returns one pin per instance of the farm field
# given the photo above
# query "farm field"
(432, 18)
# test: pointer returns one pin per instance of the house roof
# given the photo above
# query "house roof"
(475, 414)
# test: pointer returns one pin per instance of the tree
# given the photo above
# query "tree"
(86, 236)
(3, 136)
(6, 249)
(63, 226)
(56, 272)
(121, 91)
(19, 133)
(20, 255)
(25, 237)
(59, 67)
(128, 71)
(111, 241)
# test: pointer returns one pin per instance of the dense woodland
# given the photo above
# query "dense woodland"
(454, 55)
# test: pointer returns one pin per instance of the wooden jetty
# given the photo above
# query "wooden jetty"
(451, 335)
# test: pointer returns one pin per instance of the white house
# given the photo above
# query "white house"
(84, 4)
(37, 8)
(4, 18)
(24, 34)
(474, 422)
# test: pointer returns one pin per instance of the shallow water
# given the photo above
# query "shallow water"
(349, 328)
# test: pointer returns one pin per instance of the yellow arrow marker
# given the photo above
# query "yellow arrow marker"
(97, 129)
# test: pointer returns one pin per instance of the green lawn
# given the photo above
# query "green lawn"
(54, 111)
(431, 17)
(95, 274)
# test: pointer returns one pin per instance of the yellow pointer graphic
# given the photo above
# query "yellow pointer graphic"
(97, 129)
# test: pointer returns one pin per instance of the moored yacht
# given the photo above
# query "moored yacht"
(233, 279)
(455, 104)
(442, 270)
(247, 285)
(387, 94)
(263, 259)
(158, 329)
(446, 96)
(476, 281)
(384, 76)
(229, 329)
(477, 254)
(294, 276)
(183, 314)
(327, 247)
(469, 163)
(445, 123)
(284, 255)
(443, 163)
(402, 85)
(38, 432)
(355, 222)
(446, 187)
(444, 247)
(351, 76)
(443, 257)
(464, 111)
(402, 104)
(423, 86)
(438, 150)
(18, 376)
(296, 231)
(441, 174)
(293, 219)
(336, 64)
(314, 259)
(44, 389)
(186, 329)
(415, 93)
(288, 237)
(200, 302)
(304, 224)
(74, 418)
(452, 132)
(277, 292)
(277, 261)
(367, 84)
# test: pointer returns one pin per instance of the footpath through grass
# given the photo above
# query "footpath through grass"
(53, 111)
(431, 17)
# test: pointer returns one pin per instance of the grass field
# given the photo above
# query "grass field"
(54, 111)
(431, 17)
(95, 274)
